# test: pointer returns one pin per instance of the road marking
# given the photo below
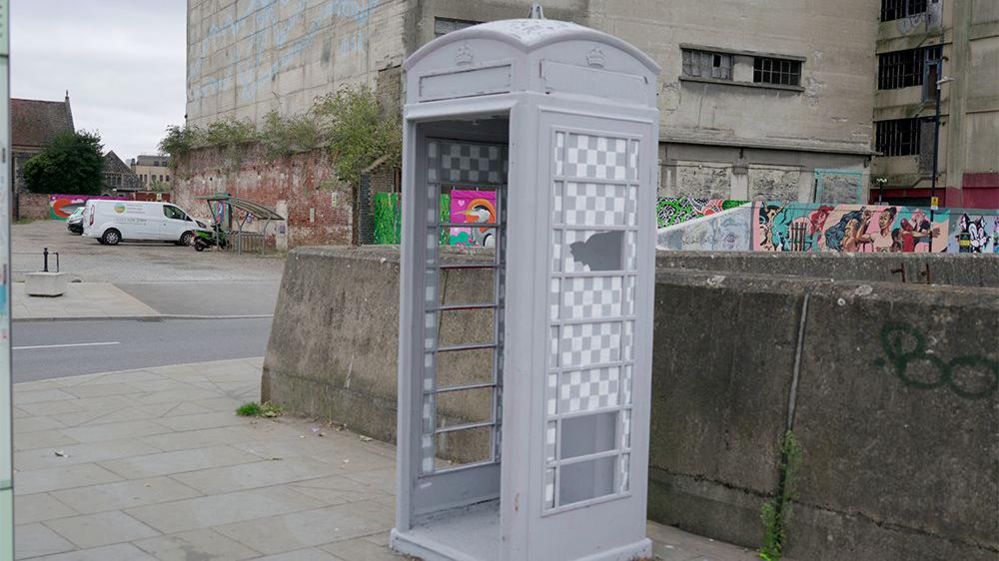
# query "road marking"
(103, 344)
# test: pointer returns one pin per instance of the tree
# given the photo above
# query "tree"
(360, 131)
(71, 163)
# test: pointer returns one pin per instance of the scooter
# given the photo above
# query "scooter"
(208, 238)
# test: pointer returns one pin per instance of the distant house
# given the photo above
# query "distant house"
(118, 176)
(33, 124)
(153, 170)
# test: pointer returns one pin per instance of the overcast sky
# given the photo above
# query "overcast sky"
(123, 62)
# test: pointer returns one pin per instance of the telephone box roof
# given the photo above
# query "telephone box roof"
(529, 35)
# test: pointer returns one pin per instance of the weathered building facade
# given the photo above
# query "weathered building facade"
(154, 171)
(118, 176)
(926, 49)
(759, 101)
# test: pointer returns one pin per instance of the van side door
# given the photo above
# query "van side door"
(175, 223)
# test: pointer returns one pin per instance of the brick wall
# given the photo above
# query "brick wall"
(319, 207)
(32, 205)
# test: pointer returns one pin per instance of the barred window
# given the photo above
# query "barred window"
(904, 69)
(706, 64)
(779, 71)
(898, 9)
(899, 137)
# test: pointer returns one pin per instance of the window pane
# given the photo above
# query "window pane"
(586, 480)
(589, 434)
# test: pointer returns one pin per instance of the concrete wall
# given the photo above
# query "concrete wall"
(894, 395)
(248, 57)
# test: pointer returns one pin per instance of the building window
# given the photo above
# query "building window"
(778, 71)
(443, 26)
(898, 9)
(904, 69)
(706, 64)
(899, 137)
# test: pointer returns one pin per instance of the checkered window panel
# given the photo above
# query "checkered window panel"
(591, 301)
(594, 157)
(589, 389)
(464, 162)
(594, 204)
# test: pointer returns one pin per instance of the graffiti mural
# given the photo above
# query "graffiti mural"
(473, 207)
(974, 233)
(387, 213)
(728, 230)
(848, 228)
(61, 206)
(671, 211)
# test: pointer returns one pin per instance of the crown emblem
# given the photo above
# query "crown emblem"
(464, 55)
(596, 57)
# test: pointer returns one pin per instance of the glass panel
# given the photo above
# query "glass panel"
(463, 407)
(592, 297)
(586, 480)
(590, 344)
(592, 204)
(591, 250)
(587, 390)
(463, 447)
(588, 434)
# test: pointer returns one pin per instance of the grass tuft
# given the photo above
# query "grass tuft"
(254, 409)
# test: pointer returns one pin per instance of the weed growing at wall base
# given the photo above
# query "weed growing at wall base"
(776, 513)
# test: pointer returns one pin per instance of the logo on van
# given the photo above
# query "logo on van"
(119, 208)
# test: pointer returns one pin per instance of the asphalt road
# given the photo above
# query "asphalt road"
(53, 349)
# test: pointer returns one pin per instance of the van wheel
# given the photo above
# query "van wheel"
(111, 237)
(186, 237)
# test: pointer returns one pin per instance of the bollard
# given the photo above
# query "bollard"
(45, 260)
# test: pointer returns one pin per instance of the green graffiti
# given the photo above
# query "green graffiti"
(905, 350)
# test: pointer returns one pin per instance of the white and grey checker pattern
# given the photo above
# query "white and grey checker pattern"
(549, 488)
(627, 341)
(551, 395)
(626, 429)
(554, 345)
(591, 297)
(633, 147)
(559, 156)
(463, 162)
(593, 204)
(551, 437)
(626, 385)
(630, 251)
(624, 477)
(595, 157)
(588, 344)
(589, 389)
(553, 301)
(427, 453)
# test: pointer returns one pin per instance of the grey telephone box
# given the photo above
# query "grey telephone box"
(525, 361)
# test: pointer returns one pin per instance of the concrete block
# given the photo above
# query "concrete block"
(46, 284)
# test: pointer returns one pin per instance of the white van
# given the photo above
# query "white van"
(111, 221)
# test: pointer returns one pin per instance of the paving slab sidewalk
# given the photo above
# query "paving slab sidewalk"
(81, 300)
(153, 464)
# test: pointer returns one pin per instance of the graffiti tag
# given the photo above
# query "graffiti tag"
(906, 353)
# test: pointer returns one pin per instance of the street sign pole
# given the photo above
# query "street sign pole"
(6, 404)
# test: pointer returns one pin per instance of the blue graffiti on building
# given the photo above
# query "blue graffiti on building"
(251, 73)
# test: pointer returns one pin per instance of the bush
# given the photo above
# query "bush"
(72, 163)
(351, 124)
